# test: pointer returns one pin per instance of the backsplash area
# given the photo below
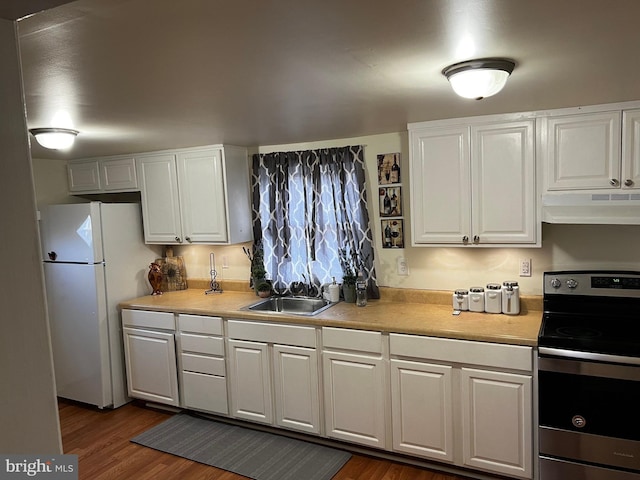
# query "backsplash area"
(564, 247)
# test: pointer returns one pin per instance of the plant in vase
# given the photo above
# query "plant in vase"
(351, 266)
(259, 281)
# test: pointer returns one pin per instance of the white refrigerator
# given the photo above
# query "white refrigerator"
(94, 258)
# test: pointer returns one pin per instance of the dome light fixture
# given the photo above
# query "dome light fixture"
(479, 78)
(55, 138)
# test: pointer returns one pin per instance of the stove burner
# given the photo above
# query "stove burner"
(579, 332)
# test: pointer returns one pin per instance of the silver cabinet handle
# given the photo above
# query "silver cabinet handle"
(188, 239)
(178, 240)
(614, 182)
(628, 182)
(476, 239)
(465, 239)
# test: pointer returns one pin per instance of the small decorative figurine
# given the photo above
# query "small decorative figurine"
(155, 278)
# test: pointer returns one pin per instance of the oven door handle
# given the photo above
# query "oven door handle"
(594, 357)
(575, 366)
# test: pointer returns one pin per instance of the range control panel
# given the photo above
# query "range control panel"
(593, 283)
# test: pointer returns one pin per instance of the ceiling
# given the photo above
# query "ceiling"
(141, 75)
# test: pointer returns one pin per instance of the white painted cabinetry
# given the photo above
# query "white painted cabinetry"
(201, 360)
(197, 195)
(102, 175)
(355, 386)
(150, 356)
(592, 150)
(467, 403)
(274, 374)
(473, 183)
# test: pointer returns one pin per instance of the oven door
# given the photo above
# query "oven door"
(588, 412)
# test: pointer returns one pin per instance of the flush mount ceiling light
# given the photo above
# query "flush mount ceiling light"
(479, 78)
(55, 138)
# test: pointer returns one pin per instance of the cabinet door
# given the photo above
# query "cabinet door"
(150, 359)
(83, 176)
(250, 380)
(119, 174)
(159, 194)
(497, 422)
(631, 150)
(440, 185)
(202, 196)
(421, 409)
(583, 151)
(355, 398)
(503, 183)
(296, 382)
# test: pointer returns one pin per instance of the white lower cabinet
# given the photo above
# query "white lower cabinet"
(355, 386)
(463, 402)
(497, 421)
(422, 409)
(150, 356)
(274, 374)
(202, 363)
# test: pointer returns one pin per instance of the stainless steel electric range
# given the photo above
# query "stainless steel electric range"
(589, 376)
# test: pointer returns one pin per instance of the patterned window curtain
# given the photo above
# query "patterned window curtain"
(307, 205)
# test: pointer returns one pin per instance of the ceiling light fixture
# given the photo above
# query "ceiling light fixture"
(479, 78)
(55, 138)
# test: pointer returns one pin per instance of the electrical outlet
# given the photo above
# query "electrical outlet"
(525, 267)
(402, 267)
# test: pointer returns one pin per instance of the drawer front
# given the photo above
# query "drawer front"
(348, 339)
(200, 324)
(148, 319)
(203, 364)
(297, 335)
(486, 354)
(201, 344)
(205, 392)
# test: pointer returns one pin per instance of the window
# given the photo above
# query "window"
(307, 205)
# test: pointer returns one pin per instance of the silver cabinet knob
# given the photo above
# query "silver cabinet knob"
(178, 240)
(628, 182)
(188, 239)
(476, 239)
(614, 182)
(465, 239)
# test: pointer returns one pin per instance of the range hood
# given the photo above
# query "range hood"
(592, 208)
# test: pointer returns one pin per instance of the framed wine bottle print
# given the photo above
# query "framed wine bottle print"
(392, 233)
(389, 168)
(390, 201)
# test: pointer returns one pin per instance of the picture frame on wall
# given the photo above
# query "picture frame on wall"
(390, 201)
(392, 233)
(389, 168)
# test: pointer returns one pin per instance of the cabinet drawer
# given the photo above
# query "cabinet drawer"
(203, 364)
(205, 392)
(145, 318)
(462, 351)
(272, 333)
(347, 339)
(200, 324)
(201, 344)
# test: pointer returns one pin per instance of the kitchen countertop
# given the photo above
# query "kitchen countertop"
(431, 319)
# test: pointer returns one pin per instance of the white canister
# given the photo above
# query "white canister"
(476, 299)
(510, 298)
(461, 299)
(493, 298)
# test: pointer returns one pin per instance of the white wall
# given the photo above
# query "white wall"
(50, 179)
(564, 246)
(28, 407)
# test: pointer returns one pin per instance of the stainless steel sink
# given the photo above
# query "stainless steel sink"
(290, 305)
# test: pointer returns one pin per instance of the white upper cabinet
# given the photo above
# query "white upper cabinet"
(631, 149)
(592, 151)
(198, 195)
(474, 183)
(102, 175)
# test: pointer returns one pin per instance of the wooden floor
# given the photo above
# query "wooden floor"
(101, 441)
